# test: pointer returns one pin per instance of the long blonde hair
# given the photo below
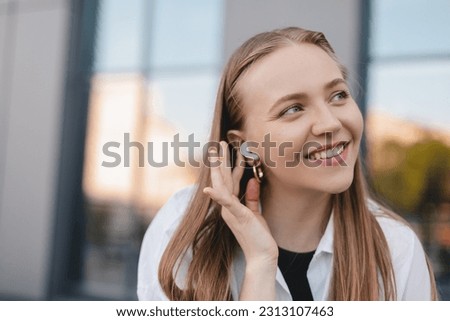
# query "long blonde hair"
(361, 253)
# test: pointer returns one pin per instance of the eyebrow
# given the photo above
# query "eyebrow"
(299, 96)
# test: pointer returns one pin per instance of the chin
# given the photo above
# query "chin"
(339, 186)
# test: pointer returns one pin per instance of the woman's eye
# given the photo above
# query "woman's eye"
(292, 110)
(340, 96)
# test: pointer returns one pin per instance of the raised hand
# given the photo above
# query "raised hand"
(246, 222)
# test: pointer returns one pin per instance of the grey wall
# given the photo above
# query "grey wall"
(33, 45)
(338, 20)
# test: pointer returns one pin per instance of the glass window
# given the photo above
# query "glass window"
(120, 31)
(407, 119)
(157, 65)
(410, 28)
(180, 94)
(186, 33)
(414, 91)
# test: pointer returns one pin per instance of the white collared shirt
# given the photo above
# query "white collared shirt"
(408, 258)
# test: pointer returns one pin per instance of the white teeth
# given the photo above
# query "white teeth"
(338, 149)
(328, 153)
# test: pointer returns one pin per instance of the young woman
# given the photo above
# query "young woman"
(286, 214)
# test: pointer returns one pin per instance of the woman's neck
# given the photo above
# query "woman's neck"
(296, 218)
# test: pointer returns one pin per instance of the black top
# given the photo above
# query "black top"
(294, 266)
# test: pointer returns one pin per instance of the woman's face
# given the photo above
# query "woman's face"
(300, 116)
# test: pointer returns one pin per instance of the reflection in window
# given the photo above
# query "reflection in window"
(410, 28)
(407, 123)
(186, 33)
(150, 85)
(120, 33)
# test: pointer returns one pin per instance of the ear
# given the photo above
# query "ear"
(235, 135)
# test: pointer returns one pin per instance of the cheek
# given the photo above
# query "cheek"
(281, 145)
(354, 122)
(358, 123)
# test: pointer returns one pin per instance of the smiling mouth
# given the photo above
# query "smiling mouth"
(328, 152)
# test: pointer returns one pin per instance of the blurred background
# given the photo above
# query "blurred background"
(77, 74)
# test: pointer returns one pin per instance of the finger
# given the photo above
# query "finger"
(252, 195)
(237, 172)
(216, 174)
(226, 153)
(231, 203)
(213, 159)
(225, 167)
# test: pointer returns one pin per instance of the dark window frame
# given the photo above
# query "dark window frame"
(69, 216)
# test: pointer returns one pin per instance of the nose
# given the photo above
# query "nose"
(325, 122)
